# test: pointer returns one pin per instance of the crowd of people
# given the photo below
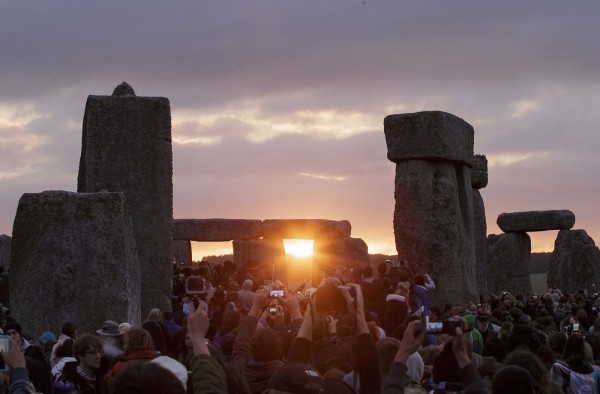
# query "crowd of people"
(240, 330)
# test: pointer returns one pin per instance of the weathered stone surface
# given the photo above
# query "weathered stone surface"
(350, 252)
(74, 258)
(306, 228)
(536, 221)
(575, 262)
(479, 172)
(480, 243)
(508, 263)
(434, 225)
(126, 147)
(5, 244)
(264, 253)
(216, 230)
(182, 252)
(429, 135)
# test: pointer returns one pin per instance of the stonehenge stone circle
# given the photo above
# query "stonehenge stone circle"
(575, 262)
(508, 263)
(433, 217)
(216, 230)
(305, 228)
(126, 147)
(536, 221)
(5, 245)
(479, 180)
(74, 254)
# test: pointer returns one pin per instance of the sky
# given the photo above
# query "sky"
(277, 106)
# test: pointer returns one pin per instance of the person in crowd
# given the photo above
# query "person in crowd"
(396, 307)
(64, 354)
(47, 341)
(112, 344)
(172, 327)
(139, 349)
(246, 296)
(37, 367)
(538, 370)
(397, 380)
(421, 297)
(85, 373)
(572, 372)
(68, 331)
(19, 375)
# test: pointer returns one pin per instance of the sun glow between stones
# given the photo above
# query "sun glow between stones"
(299, 247)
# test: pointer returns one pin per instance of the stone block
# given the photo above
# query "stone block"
(429, 135)
(182, 252)
(216, 230)
(479, 172)
(126, 147)
(480, 243)
(73, 258)
(350, 252)
(5, 245)
(434, 226)
(575, 262)
(516, 222)
(263, 254)
(508, 263)
(306, 229)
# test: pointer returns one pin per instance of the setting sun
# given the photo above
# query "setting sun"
(299, 247)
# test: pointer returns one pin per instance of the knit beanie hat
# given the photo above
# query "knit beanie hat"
(13, 325)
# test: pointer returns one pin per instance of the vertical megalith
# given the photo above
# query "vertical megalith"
(126, 147)
(331, 252)
(74, 255)
(265, 255)
(433, 216)
(575, 262)
(5, 245)
(479, 180)
(182, 252)
(508, 261)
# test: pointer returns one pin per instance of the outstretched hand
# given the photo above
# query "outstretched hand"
(197, 327)
(410, 343)
(14, 358)
(462, 343)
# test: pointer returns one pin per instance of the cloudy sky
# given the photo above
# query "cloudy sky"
(278, 106)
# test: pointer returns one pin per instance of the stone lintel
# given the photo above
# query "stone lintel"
(428, 135)
(306, 228)
(536, 221)
(216, 230)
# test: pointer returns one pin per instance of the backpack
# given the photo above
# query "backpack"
(577, 383)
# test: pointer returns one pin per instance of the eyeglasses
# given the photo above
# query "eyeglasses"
(92, 352)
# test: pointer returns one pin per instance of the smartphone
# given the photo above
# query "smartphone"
(5, 348)
(575, 326)
(276, 293)
(195, 285)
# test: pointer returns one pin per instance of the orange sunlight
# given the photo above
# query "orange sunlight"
(299, 247)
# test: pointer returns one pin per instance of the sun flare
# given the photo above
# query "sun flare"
(299, 247)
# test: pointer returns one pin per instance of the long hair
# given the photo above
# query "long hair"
(574, 352)
(535, 366)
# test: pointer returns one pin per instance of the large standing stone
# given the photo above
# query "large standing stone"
(5, 245)
(73, 259)
(306, 228)
(267, 255)
(350, 252)
(575, 262)
(182, 252)
(217, 230)
(126, 147)
(479, 180)
(516, 222)
(433, 218)
(508, 263)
